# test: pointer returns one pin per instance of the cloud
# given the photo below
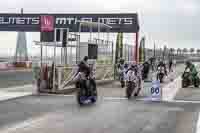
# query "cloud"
(171, 21)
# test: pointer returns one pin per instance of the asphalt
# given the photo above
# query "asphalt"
(111, 114)
(61, 114)
(15, 78)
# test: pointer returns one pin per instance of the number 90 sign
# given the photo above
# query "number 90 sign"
(156, 90)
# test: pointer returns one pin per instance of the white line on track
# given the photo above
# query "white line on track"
(182, 101)
(58, 95)
(198, 124)
(115, 98)
(149, 99)
(18, 87)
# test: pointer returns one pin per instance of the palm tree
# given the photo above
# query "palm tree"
(191, 51)
(185, 50)
(198, 51)
(178, 51)
(173, 50)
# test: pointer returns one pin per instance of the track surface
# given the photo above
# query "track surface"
(112, 113)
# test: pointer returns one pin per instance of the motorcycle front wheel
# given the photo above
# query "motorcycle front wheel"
(196, 83)
(93, 90)
(185, 83)
(160, 77)
(78, 97)
(129, 89)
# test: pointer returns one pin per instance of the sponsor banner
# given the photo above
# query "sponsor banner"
(38, 22)
(47, 23)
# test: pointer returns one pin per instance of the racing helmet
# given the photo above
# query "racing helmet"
(85, 58)
(133, 64)
(126, 65)
(121, 61)
(188, 63)
(161, 62)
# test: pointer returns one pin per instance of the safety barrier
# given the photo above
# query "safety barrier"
(6, 66)
(66, 74)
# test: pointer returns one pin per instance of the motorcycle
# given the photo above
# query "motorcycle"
(131, 85)
(160, 74)
(87, 92)
(186, 80)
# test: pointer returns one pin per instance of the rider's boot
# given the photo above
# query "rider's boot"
(137, 92)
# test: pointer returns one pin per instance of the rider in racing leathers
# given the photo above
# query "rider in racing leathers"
(120, 68)
(137, 69)
(83, 67)
(193, 70)
(126, 66)
(146, 69)
(170, 65)
(162, 64)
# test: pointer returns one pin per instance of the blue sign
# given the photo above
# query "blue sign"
(156, 91)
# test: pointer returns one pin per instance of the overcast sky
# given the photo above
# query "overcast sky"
(167, 22)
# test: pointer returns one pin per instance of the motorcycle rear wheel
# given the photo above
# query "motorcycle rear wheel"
(160, 77)
(78, 98)
(185, 84)
(196, 83)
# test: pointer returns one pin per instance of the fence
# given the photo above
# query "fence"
(75, 51)
(128, 52)
(65, 75)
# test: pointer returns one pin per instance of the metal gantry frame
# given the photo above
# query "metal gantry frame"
(92, 25)
(56, 44)
(64, 52)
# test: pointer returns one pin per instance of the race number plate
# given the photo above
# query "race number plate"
(156, 91)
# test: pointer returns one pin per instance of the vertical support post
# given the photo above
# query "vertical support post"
(41, 55)
(59, 76)
(54, 71)
(136, 47)
(70, 57)
(113, 61)
(112, 54)
(62, 56)
(66, 53)
(154, 50)
(98, 29)
(62, 48)
(129, 53)
(90, 33)
(106, 44)
(79, 47)
(98, 36)
(22, 10)
(41, 60)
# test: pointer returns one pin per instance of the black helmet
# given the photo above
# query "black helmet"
(188, 63)
(126, 65)
(121, 61)
(161, 62)
(85, 58)
(133, 65)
